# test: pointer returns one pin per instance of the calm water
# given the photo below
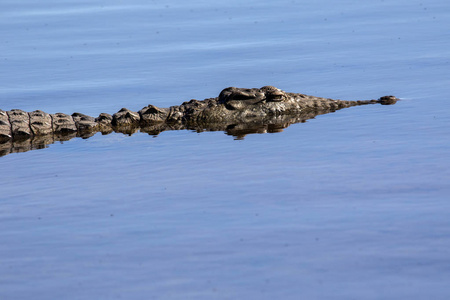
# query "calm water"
(350, 205)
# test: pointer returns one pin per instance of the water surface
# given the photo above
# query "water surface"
(350, 205)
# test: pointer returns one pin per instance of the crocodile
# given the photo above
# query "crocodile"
(237, 111)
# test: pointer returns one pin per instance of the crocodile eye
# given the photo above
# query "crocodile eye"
(275, 97)
(273, 94)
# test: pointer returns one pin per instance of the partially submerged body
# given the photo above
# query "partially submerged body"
(236, 111)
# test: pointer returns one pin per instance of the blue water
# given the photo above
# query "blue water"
(350, 205)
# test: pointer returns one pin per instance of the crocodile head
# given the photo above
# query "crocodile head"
(239, 98)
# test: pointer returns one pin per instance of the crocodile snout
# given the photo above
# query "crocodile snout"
(388, 100)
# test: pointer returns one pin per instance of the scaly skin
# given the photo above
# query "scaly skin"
(236, 111)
